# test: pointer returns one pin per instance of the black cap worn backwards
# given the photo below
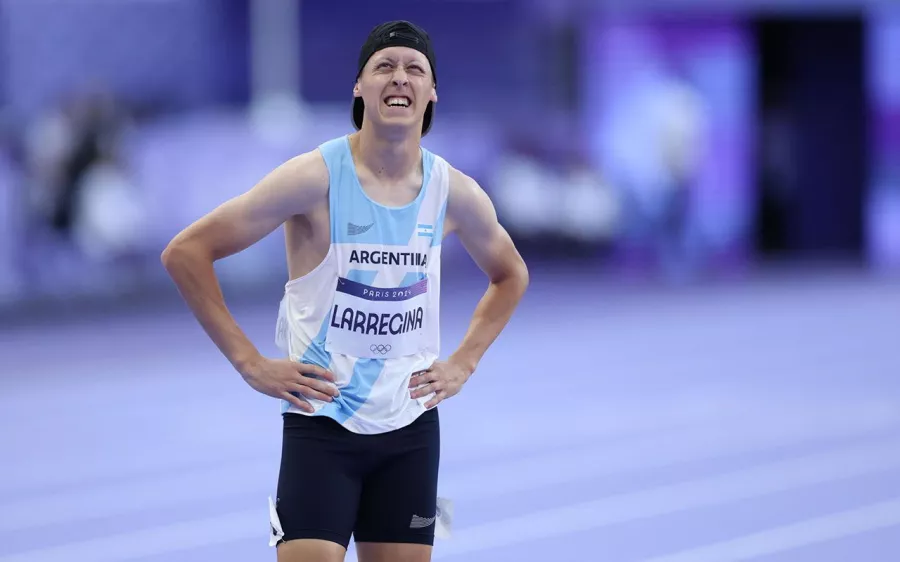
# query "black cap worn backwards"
(395, 34)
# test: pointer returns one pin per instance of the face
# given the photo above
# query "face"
(396, 86)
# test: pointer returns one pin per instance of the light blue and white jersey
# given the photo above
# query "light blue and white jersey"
(370, 311)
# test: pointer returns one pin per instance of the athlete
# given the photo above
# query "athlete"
(364, 217)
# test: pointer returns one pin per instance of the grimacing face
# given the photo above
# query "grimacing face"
(396, 85)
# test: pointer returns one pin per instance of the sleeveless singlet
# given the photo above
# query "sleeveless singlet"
(370, 311)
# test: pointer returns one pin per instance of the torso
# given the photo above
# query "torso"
(382, 244)
(307, 239)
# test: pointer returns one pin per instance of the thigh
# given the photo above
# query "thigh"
(318, 483)
(392, 552)
(311, 550)
(398, 503)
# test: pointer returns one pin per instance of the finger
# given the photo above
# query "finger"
(421, 372)
(311, 393)
(321, 386)
(423, 378)
(307, 369)
(419, 392)
(438, 398)
(427, 389)
(298, 402)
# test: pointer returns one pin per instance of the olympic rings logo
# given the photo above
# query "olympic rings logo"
(379, 348)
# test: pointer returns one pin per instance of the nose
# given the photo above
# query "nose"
(400, 78)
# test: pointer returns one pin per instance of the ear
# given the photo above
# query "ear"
(356, 92)
(433, 97)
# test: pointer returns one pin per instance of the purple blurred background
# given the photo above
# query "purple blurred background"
(667, 140)
(720, 179)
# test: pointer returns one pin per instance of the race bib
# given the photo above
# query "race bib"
(376, 322)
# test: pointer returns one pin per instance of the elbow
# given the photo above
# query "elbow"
(169, 256)
(522, 275)
(515, 277)
(176, 255)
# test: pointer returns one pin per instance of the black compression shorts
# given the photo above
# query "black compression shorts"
(379, 488)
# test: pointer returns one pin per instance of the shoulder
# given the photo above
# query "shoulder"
(309, 166)
(467, 202)
(333, 150)
(464, 190)
(305, 172)
(314, 166)
(456, 178)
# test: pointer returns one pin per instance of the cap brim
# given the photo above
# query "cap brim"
(359, 109)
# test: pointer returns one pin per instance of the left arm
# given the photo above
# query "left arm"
(471, 215)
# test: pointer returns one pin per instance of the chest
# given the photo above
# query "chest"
(390, 193)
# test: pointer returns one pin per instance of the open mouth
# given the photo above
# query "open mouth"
(397, 101)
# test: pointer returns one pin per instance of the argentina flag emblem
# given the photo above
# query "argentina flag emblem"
(425, 230)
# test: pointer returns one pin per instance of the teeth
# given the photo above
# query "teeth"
(394, 101)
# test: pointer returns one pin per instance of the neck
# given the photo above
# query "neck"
(391, 158)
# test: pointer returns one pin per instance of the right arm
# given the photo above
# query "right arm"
(294, 188)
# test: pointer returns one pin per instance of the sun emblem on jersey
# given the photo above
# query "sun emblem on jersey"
(355, 229)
